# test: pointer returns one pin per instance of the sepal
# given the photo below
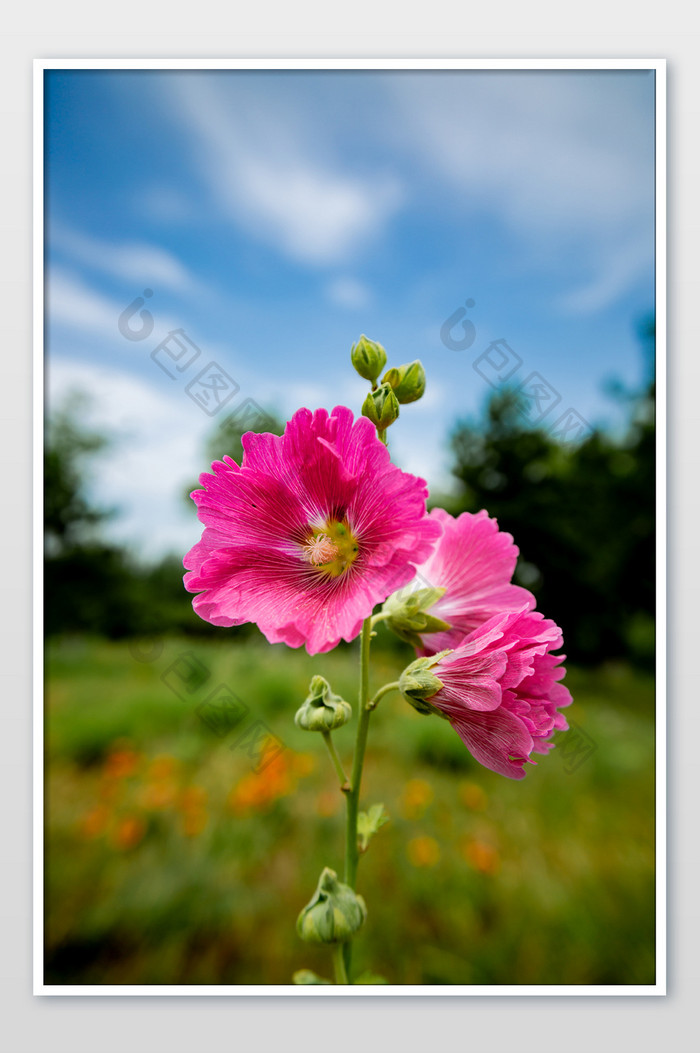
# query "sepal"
(418, 684)
(408, 381)
(381, 407)
(406, 614)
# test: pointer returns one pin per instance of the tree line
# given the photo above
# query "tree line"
(582, 516)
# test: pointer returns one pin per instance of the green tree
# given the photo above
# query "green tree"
(96, 587)
(89, 585)
(225, 439)
(70, 519)
(582, 517)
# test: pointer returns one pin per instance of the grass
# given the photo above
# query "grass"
(171, 861)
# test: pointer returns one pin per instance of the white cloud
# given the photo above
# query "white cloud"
(418, 446)
(349, 293)
(548, 153)
(166, 205)
(71, 302)
(157, 453)
(274, 187)
(624, 265)
(159, 436)
(566, 164)
(135, 262)
(436, 396)
(289, 395)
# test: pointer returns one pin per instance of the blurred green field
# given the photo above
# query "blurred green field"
(170, 861)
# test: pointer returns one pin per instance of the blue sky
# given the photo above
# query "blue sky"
(277, 215)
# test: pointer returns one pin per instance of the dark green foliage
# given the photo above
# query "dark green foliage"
(582, 517)
(91, 586)
(69, 518)
(225, 439)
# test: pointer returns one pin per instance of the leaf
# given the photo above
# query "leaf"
(307, 976)
(370, 978)
(369, 822)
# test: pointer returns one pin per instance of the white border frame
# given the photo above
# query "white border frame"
(40, 988)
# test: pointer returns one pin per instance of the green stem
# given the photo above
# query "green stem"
(352, 853)
(342, 777)
(341, 976)
(374, 702)
(353, 797)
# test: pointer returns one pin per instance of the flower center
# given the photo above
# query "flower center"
(331, 548)
(320, 549)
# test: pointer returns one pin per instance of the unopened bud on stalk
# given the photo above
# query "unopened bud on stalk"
(334, 913)
(381, 406)
(323, 710)
(368, 358)
(408, 382)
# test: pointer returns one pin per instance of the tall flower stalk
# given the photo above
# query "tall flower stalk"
(352, 853)
(307, 536)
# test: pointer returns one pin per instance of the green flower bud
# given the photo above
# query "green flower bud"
(408, 382)
(323, 710)
(334, 913)
(368, 358)
(418, 684)
(406, 614)
(381, 406)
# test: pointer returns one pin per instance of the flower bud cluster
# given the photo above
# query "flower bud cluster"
(399, 385)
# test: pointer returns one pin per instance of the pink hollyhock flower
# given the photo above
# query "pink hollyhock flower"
(474, 562)
(312, 530)
(499, 689)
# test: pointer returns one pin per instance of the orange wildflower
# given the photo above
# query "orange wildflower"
(162, 768)
(423, 852)
(194, 821)
(417, 795)
(472, 796)
(129, 832)
(95, 822)
(120, 763)
(257, 792)
(483, 857)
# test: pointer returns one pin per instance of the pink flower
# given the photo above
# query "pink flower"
(474, 562)
(312, 530)
(499, 690)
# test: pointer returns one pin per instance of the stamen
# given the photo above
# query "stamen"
(331, 548)
(320, 550)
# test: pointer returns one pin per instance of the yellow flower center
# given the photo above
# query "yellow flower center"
(331, 549)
